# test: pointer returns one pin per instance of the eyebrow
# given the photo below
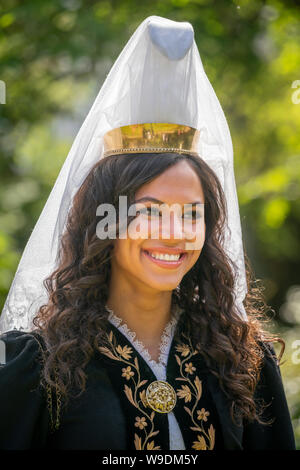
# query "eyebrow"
(153, 199)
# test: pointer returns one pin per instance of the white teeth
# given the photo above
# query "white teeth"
(165, 257)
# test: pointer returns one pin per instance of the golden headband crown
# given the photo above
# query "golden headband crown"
(151, 138)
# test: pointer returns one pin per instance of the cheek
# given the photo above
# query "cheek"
(120, 252)
(126, 252)
(195, 239)
(197, 245)
(194, 258)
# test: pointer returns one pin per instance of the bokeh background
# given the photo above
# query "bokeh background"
(54, 57)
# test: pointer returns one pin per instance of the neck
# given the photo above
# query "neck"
(146, 316)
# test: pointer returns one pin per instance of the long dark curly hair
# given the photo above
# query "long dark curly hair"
(72, 322)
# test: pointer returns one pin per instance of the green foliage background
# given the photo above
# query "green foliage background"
(54, 57)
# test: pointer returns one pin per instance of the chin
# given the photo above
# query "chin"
(160, 285)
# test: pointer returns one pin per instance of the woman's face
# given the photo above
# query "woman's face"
(159, 235)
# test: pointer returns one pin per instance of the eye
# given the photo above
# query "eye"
(154, 212)
(194, 215)
(150, 211)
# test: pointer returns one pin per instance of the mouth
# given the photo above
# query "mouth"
(166, 263)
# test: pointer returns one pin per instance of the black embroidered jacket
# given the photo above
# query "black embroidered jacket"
(113, 412)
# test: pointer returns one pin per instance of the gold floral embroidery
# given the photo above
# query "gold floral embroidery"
(189, 368)
(202, 414)
(185, 393)
(140, 422)
(200, 444)
(124, 352)
(183, 349)
(135, 396)
(193, 388)
(127, 373)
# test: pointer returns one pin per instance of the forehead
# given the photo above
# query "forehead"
(179, 183)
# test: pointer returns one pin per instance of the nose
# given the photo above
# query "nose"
(172, 228)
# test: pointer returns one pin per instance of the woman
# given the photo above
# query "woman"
(132, 351)
(103, 362)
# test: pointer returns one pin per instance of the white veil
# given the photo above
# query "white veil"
(158, 77)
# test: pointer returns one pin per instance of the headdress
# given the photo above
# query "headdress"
(151, 138)
(158, 79)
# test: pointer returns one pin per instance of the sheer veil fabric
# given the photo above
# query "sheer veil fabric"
(158, 77)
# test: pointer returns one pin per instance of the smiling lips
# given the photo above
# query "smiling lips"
(167, 258)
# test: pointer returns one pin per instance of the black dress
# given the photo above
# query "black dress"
(113, 412)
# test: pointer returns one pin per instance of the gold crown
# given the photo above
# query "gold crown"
(151, 138)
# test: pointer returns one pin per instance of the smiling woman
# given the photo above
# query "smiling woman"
(120, 319)
(145, 342)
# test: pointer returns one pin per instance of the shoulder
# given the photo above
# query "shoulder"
(269, 357)
(23, 405)
(20, 350)
(277, 431)
(268, 349)
(270, 374)
(16, 340)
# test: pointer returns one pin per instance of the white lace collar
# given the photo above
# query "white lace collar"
(165, 342)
